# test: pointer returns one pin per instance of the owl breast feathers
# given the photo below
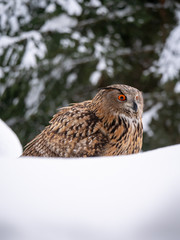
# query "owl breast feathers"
(109, 124)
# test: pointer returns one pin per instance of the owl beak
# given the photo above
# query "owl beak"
(135, 106)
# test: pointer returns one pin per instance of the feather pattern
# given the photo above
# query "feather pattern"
(102, 126)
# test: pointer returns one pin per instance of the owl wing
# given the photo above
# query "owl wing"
(73, 132)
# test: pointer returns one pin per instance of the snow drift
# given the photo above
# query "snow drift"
(135, 197)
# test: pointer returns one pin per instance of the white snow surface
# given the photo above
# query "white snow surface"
(10, 145)
(135, 197)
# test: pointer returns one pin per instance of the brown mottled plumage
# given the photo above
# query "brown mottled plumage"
(109, 124)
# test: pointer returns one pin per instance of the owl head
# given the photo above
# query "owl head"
(121, 99)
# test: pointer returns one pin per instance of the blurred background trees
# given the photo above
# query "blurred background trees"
(54, 52)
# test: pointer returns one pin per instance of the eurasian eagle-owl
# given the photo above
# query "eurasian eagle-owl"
(109, 124)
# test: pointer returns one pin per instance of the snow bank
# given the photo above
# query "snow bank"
(131, 197)
(9, 143)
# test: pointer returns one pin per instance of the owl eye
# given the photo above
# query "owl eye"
(122, 97)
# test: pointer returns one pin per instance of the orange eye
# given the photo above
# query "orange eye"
(122, 97)
(137, 98)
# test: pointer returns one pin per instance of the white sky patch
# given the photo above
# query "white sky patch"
(148, 116)
(168, 64)
(61, 24)
(72, 7)
(94, 78)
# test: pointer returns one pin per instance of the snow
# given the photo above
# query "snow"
(9, 143)
(127, 11)
(67, 43)
(96, 75)
(95, 3)
(99, 50)
(94, 78)
(32, 99)
(51, 8)
(101, 65)
(177, 87)
(61, 24)
(102, 11)
(82, 49)
(29, 59)
(71, 79)
(1, 73)
(72, 7)
(34, 49)
(7, 41)
(14, 24)
(76, 35)
(168, 63)
(148, 116)
(135, 197)
(12, 13)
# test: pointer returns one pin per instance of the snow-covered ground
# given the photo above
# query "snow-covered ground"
(135, 197)
(10, 145)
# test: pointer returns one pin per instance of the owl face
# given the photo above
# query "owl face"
(123, 99)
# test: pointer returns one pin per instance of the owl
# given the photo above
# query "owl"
(110, 124)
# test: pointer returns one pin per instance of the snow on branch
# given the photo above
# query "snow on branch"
(12, 15)
(61, 24)
(35, 48)
(148, 116)
(168, 64)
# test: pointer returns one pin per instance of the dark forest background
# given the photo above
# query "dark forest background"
(55, 52)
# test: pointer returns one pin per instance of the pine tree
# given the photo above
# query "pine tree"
(54, 52)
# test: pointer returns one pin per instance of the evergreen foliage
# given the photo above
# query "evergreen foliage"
(54, 52)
